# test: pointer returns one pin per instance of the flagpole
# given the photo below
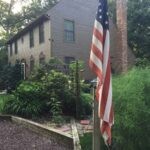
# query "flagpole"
(96, 122)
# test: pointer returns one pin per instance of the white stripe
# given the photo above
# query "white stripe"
(108, 104)
(106, 52)
(98, 26)
(96, 60)
(97, 43)
(105, 136)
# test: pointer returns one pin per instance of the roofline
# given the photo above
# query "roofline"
(33, 24)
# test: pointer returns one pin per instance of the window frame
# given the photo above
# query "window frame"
(69, 31)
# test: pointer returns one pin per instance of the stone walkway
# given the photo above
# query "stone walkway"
(83, 126)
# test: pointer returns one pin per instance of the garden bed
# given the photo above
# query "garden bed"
(18, 134)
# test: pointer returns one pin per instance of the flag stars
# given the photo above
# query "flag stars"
(106, 22)
(100, 17)
(107, 13)
(100, 10)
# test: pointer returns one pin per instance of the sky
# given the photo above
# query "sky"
(18, 5)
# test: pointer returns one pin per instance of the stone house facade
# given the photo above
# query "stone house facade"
(65, 31)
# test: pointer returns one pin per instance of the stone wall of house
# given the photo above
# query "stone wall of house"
(25, 53)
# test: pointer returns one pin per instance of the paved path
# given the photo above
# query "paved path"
(83, 126)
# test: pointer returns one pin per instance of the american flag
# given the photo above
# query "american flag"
(100, 65)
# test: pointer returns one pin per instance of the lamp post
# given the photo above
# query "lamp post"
(96, 120)
(77, 84)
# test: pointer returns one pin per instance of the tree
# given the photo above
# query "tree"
(139, 27)
(36, 8)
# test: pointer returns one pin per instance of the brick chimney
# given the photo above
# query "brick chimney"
(122, 46)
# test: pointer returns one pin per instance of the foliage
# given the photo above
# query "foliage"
(3, 98)
(138, 22)
(138, 26)
(55, 108)
(142, 62)
(86, 141)
(86, 100)
(27, 100)
(112, 10)
(10, 76)
(132, 110)
(53, 64)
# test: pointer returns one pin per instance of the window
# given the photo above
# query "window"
(16, 47)
(11, 50)
(42, 59)
(31, 63)
(69, 60)
(31, 38)
(69, 31)
(41, 33)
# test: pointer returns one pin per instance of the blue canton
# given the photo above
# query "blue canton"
(102, 14)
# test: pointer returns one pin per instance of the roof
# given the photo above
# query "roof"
(33, 24)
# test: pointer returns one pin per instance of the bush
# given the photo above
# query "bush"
(32, 98)
(86, 100)
(132, 110)
(26, 101)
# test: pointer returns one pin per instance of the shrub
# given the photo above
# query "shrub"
(132, 110)
(86, 100)
(26, 101)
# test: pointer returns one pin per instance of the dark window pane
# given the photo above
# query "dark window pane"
(69, 60)
(31, 65)
(16, 47)
(41, 33)
(69, 35)
(10, 49)
(42, 61)
(31, 38)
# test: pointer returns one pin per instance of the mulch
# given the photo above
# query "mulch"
(17, 137)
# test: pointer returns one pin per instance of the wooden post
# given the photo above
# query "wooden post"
(96, 124)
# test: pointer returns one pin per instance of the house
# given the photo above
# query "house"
(65, 31)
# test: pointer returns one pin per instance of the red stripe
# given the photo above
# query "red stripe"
(105, 90)
(97, 52)
(98, 35)
(105, 127)
(95, 69)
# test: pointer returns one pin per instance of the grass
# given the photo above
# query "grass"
(3, 98)
(86, 141)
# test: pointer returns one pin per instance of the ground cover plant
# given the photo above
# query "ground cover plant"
(131, 98)
(132, 110)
